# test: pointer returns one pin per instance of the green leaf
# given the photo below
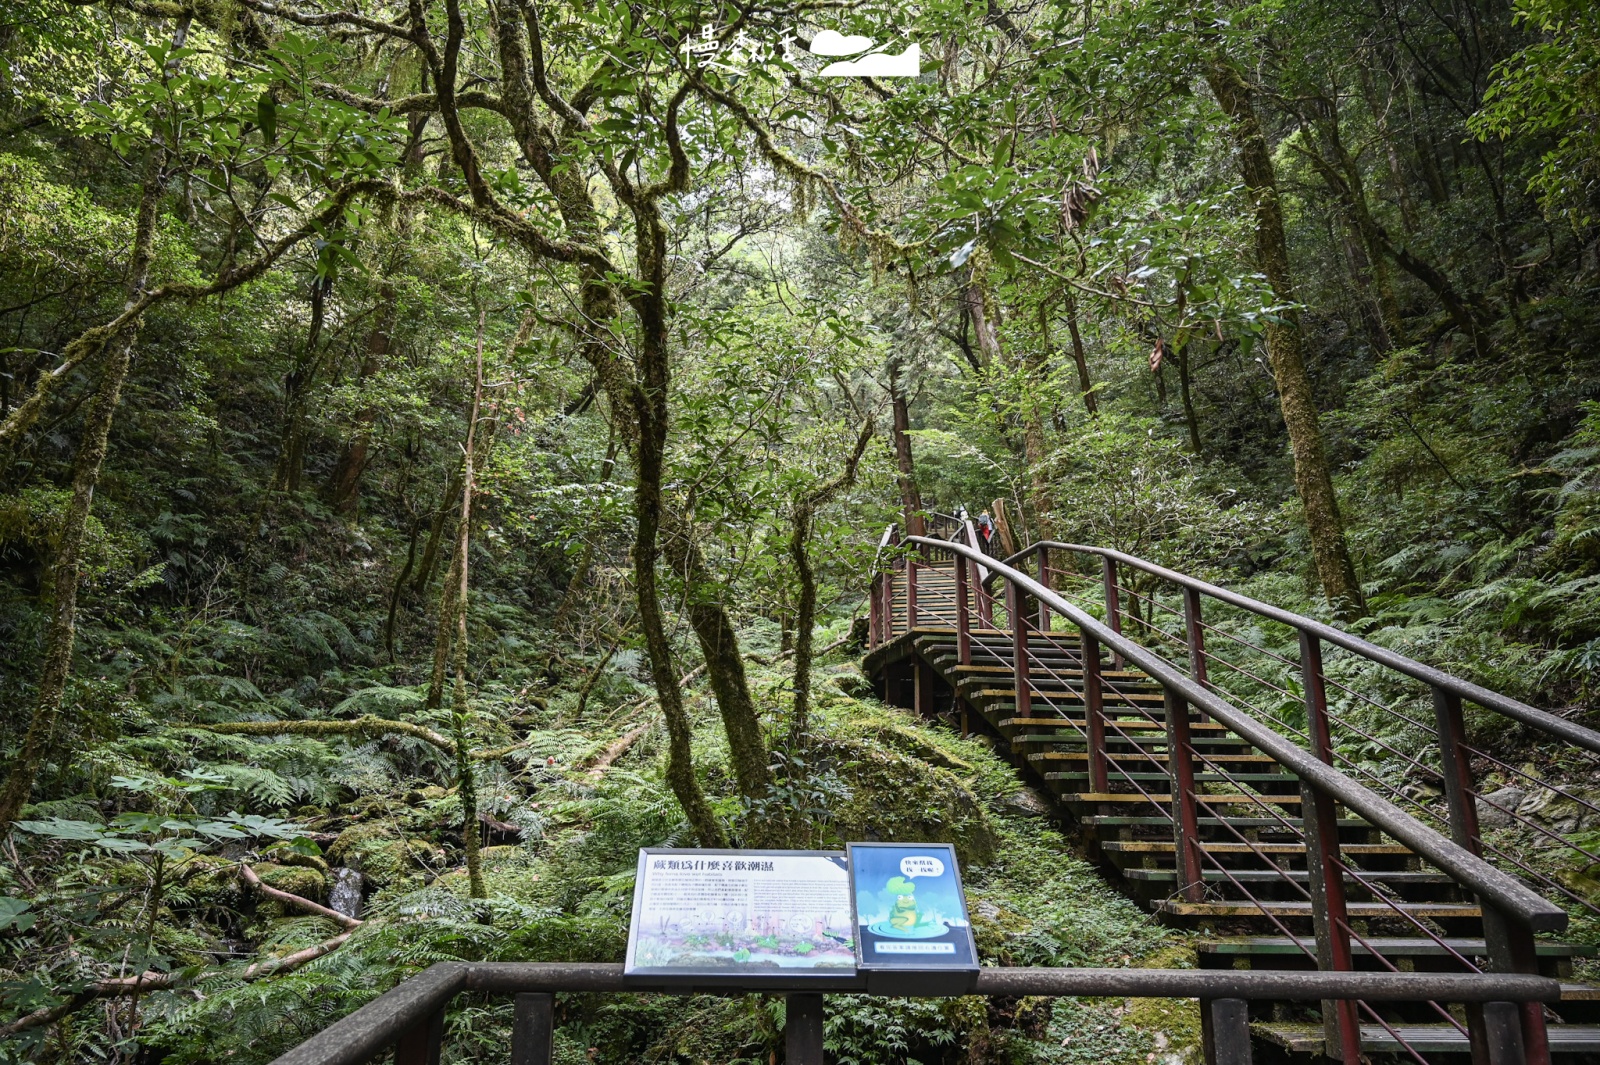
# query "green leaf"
(59, 828)
(14, 914)
(267, 117)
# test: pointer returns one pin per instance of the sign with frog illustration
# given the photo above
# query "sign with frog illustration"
(723, 918)
(912, 932)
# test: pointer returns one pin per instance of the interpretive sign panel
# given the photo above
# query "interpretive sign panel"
(912, 933)
(722, 918)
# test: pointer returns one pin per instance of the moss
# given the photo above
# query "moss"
(377, 850)
(897, 797)
(295, 879)
(208, 878)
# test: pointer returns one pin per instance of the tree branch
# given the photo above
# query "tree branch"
(297, 901)
(367, 726)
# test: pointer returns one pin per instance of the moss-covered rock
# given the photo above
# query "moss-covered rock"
(211, 880)
(295, 879)
(377, 850)
(894, 796)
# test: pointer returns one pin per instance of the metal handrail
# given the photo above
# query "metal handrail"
(411, 1014)
(1543, 720)
(1471, 871)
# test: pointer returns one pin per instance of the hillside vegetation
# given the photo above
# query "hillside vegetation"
(443, 449)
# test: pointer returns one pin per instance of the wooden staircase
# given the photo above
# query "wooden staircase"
(1246, 885)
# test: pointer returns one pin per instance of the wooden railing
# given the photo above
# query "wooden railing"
(1511, 911)
(411, 1018)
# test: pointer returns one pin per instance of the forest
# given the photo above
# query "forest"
(445, 447)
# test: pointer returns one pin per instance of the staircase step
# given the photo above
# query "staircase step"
(1214, 822)
(1165, 800)
(1388, 946)
(1447, 910)
(1165, 778)
(1423, 1038)
(1146, 756)
(1162, 846)
(1072, 671)
(1267, 876)
(1042, 689)
(1142, 725)
(1198, 742)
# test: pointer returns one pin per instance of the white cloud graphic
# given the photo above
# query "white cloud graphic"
(908, 64)
(832, 42)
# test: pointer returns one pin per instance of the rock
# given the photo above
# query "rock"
(295, 879)
(377, 851)
(1495, 809)
(851, 683)
(1027, 802)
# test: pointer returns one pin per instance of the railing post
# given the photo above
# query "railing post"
(1044, 579)
(1185, 819)
(888, 603)
(1456, 766)
(1094, 714)
(963, 621)
(985, 599)
(1195, 633)
(1510, 946)
(911, 593)
(1330, 916)
(533, 1029)
(1225, 1031)
(1497, 1036)
(874, 604)
(419, 1044)
(802, 1029)
(1113, 604)
(1019, 651)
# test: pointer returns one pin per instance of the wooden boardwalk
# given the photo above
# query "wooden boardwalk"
(1204, 827)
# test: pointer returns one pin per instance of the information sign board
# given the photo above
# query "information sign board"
(912, 932)
(723, 918)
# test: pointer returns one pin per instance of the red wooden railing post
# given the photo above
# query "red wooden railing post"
(963, 622)
(911, 593)
(985, 599)
(1330, 916)
(874, 609)
(1113, 605)
(1019, 651)
(1094, 716)
(1510, 946)
(888, 603)
(1195, 633)
(1044, 579)
(1508, 942)
(1185, 817)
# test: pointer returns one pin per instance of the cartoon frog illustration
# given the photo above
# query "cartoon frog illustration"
(904, 915)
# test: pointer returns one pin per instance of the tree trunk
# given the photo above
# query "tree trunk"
(296, 388)
(67, 566)
(466, 778)
(430, 554)
(719, 645)
(344, 490)
(1313, 478)
(1391, 151)
(646, 399)
(442, 637)
(806, 609)
(910, 498)
(1181, 356)
(1091, 402)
